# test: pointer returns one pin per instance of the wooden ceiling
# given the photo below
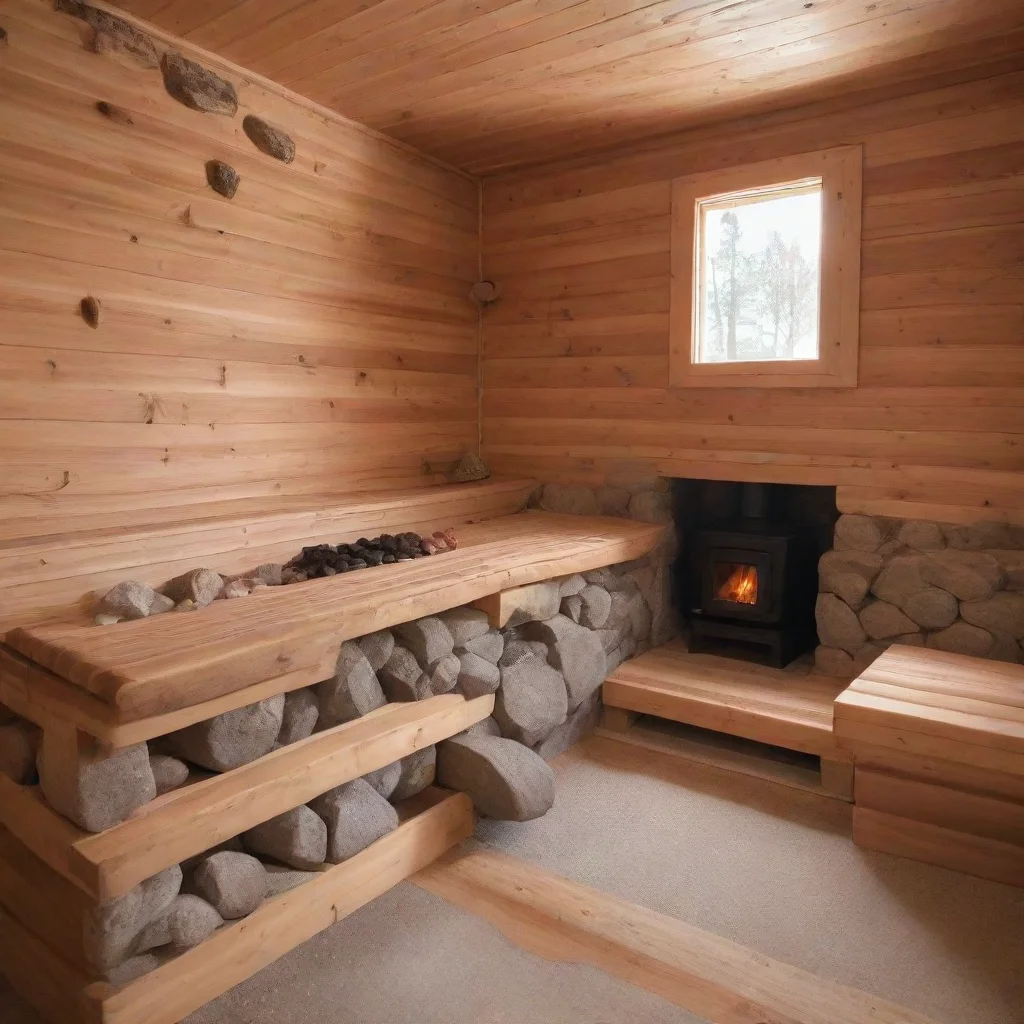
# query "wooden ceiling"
(490, 84)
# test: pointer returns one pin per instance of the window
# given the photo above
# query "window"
(766, 273)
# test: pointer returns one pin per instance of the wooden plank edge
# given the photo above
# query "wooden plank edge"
(240, 950)
(189, 820)
(944, 847)
(562, 920)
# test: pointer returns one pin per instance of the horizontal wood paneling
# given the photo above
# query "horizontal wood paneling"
(575, 355)
(311, 336)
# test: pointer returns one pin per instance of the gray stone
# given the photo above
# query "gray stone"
(232, 739)
(188, 921)
(622, 611)
(130, 599)
(111, 929)
(612, 501)
(848, 586)
(580, 723)
(402, 679)
(962, 638)
(1011, 563)
(597, 606)
(863, 533)
(537, 601)
(899, 579)
(281, 879)
(651, 507)
(470, 467)
(417, 773)
(299, 718)
(571, 607)
(477, 677)
(978, 535)
(234, 884)
(1002, 612)
(112, 33)
(882, 620)
(833, 661)
(504, 779)
(19, 745)
(570, 585)
(574, 499)
(384, 780)
(161, 604)
(377, 648)
(428, 638)
(489, 646)
(200, 586)
(104, 793)
(356, 815)
(486, 726)
(838, 625)
(197, 87)
(968, 575)
(575, 652)
(353, 690)
(168, 772)
(131, 970)
(609, 639)
(297, 838)
(931, 608)
(602, 577)
(531, 701)
(921, 535)
(465, 624)
(517, 649)
(1004, 647)
(271, 573)
(268, 139)
(444, 674)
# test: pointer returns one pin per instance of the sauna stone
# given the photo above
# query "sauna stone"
(168, 772)
(489, 646)
(297, 838)
(201, 586)
(428, 639)
(477, 676)
(571, 607)
(268, 139)
(113, 33)
(187, 922)
(232, 739)
(579, 723)
(962, 638)
(418, 769)
(571, 585)
(1001, 613)
(932, 608)
(222, 178)
(198, 87)
(281, 879)
(130, 599)
(299, 718)
(531, 701)
(377, 648)
(234, 884)
(356, 815)
(465, 624)
(402, 679)
(596, 606)
(575, 652)
(503, 778)
(517, 649)
(838, 625)
(352, 692)
(537, 601)
(132, 969)
(103, 793)
(967, 575)
(572, 499)
(384, 780)
(444, 674)
(882, 620)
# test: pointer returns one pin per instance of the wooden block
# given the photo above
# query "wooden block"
(239, 950)
(974, 813)
(837, 778)
(618, 719)
(933, 844)
(189, 820)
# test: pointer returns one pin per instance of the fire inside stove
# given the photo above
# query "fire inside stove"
(736, 581)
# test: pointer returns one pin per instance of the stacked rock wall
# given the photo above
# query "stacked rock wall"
(950, 588)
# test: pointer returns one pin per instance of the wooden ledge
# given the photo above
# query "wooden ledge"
(194, 818)
(154, 666)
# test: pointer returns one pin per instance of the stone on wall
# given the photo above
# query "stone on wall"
(575, 652)
(112, 33)
(444, 674)
(922, 535)
(168, 772)
(300, 715)
(1002, 613)
(862, 533)
(429, 639)
(234, 884)
(477, 677)
(490, 646)
(962, 638)
(968, 575)
(197, 87)
(580, 723)
(571, 499)
(932, 608)
(268, 139)
(356, 815)
(465, 624)
(385, 780)
(402, 679)
(503, 778)
(297, 838)
(353, 690)
(838, 625)
(232, 739)
(531, 701)
(417, 773)
(537, 601)
(222, 178)
(377, 648)
(882, 620)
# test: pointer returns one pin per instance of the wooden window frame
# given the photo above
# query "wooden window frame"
(841, 172)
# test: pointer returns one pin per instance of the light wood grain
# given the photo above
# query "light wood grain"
(784, 708)
(705, 974)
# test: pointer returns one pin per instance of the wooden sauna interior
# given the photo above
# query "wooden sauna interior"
(475, 251)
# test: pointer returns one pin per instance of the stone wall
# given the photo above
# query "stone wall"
(950, 588)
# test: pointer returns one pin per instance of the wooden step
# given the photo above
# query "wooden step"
(434, 822)
(784, 707)
(154, 666)
(196, 817)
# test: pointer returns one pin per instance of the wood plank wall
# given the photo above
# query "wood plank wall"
(312, 335)
(575, 353)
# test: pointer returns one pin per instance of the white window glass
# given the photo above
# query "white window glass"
(759, 274)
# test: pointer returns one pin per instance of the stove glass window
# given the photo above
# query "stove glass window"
(736, 582)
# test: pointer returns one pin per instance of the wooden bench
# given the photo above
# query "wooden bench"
(938, 746)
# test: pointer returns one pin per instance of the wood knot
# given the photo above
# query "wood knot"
(92, 311)
(114, 113)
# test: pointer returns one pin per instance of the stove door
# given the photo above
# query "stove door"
(737, 583)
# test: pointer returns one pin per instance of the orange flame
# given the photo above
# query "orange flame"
(741, 586)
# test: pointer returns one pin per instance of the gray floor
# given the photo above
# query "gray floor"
(775, 869)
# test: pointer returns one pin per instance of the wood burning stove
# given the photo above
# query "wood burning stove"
(757, 581)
